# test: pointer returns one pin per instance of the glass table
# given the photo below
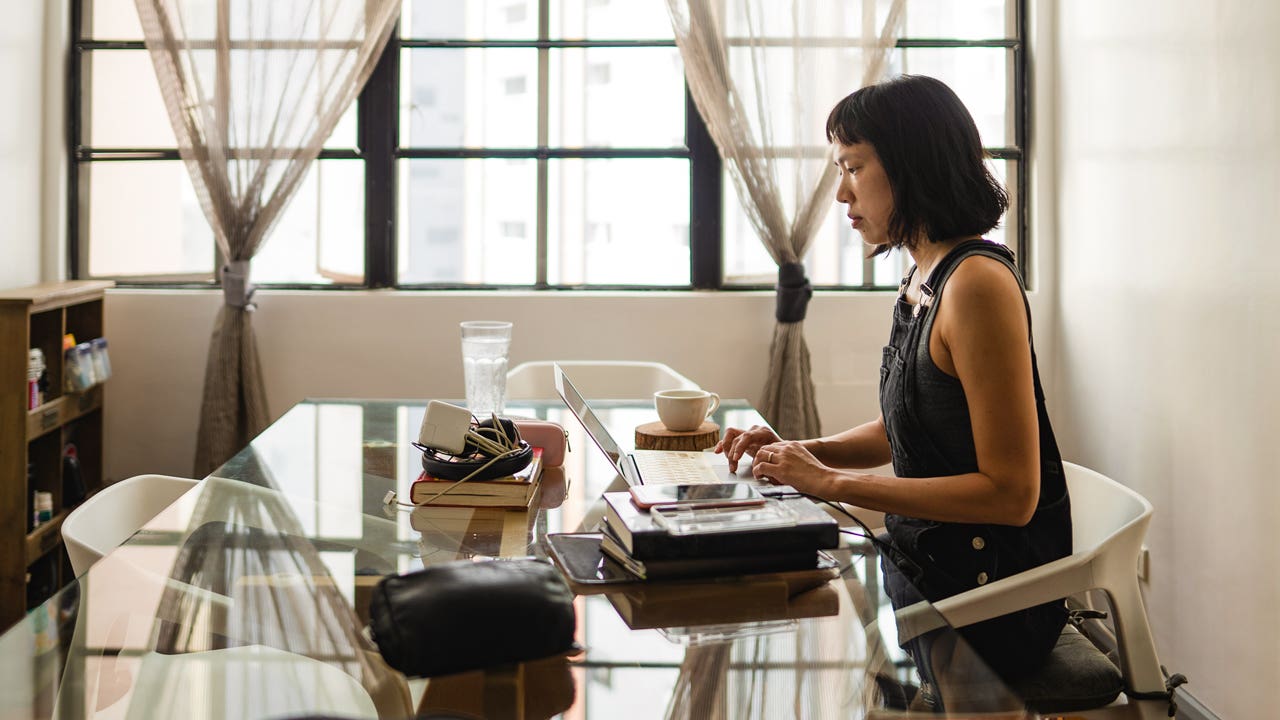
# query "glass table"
(248, 597)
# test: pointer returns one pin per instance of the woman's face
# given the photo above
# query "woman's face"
(864, 189)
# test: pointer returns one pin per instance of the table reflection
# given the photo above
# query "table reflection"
(260, 577)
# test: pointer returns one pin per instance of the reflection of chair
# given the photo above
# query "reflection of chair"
(115, 513)
(1109, 522)
(604, 379)
(253, 681)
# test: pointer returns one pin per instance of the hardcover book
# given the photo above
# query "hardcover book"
(706, 567)
(645, 540)
(511, 491)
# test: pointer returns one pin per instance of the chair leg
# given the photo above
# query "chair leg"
(1138, 660)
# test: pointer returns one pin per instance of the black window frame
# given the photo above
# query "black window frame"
(378, 147)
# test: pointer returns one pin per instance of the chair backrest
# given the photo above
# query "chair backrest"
(1109, 522)
(595, 379)
(1103, 511)
(113, 514)
(265, 680)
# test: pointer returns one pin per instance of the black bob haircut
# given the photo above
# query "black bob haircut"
(932, 155)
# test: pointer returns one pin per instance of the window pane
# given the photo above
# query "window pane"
(122, 103)
(470, 20)
(617, 97)
(123, 108)
(1006, 171)
(599, 232)
(836, 254)
(144, 219)
(111, 20)
(469, 98)
(320, 237)
(817, 72)
(468, 221)
(980, 76)
(118, 19)
(961, 19)
(745, 259)
(329, 20)
(609, 20)
(804, 19)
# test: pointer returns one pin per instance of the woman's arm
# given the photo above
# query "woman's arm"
(864, 446)
(981, 337)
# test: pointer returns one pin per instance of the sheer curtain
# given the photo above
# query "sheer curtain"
(253, 89)
(764, 74)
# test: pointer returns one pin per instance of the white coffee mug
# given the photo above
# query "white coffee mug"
(684, 410)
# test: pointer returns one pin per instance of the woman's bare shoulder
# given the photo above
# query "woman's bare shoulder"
(980, 282)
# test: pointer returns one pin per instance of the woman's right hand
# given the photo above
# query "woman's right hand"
(737, 443)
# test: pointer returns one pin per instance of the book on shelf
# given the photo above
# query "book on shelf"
(644, 539)
(706, 567)
(510, 491)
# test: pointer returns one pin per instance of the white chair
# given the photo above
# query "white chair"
(1109, 522)
(115, 513)
(248, 682)
(602, 379)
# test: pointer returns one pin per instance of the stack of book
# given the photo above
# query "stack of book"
(515, 492)
(644, 547)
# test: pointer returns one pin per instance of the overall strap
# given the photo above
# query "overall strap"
(931, 290)
(937, 281)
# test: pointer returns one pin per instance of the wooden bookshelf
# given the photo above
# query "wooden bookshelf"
(32, 441)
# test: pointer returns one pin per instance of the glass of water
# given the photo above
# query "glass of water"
(485, 344)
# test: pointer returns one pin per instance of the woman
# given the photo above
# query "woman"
(979, 492)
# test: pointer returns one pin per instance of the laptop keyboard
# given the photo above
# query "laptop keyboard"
(676, 467)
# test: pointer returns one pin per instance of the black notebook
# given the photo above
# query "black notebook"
(706, 566)
(645, 540)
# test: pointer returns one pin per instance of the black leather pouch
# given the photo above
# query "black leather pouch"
(465, 615)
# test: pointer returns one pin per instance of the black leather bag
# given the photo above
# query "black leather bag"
(467, 615)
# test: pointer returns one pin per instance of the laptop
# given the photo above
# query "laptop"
(648, 467)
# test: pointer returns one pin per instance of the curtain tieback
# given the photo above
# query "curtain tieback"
(793, 293)
(237, 291)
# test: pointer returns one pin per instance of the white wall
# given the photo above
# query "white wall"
(22, 132)
(405, 345)
(1169, 181)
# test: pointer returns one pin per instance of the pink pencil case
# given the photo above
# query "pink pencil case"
(549, 436)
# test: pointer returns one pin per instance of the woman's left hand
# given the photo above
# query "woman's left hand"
(791, 463)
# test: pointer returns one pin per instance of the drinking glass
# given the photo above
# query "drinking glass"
(485, 344)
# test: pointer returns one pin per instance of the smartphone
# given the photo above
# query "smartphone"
(725, 494)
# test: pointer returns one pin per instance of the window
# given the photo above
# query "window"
(544, 143)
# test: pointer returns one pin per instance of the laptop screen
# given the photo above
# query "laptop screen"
(590, 422)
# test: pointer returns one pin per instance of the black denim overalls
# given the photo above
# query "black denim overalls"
(927, 419)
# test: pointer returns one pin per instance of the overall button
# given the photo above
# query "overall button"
(979, 543)
(982, 578)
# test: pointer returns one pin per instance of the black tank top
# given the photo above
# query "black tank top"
(926, 416)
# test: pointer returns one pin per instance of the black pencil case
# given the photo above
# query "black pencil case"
(465, 615)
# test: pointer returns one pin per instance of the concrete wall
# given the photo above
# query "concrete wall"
(1168, 154)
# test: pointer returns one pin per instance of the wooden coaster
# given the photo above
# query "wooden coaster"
(655, 436)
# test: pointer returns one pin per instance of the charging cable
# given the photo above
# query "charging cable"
(452, 440)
